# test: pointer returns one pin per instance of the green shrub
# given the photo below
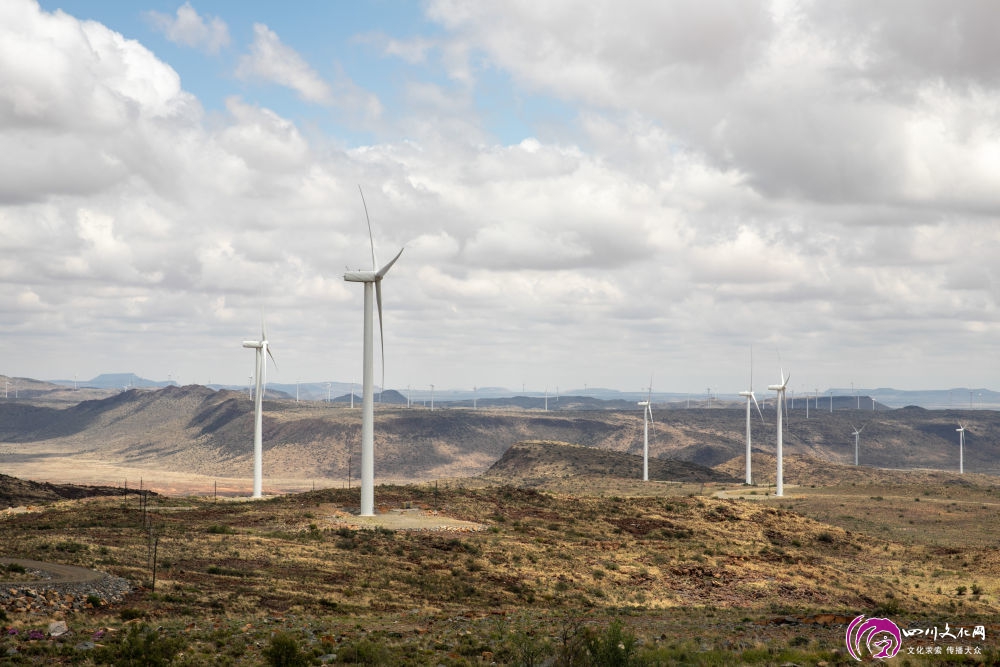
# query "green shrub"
(283, 651)
(615, 647)
(129, 614)
(140, 646)
(364, 652)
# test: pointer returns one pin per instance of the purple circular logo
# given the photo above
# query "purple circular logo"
(880, 637)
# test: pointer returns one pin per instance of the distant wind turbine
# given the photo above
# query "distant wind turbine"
(372, 281)
(780, 388)
(961, 448)
(749, 395)
(263, 350)
(857, 435)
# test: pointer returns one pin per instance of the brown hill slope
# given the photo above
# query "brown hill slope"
(534, 462)
(15, 492)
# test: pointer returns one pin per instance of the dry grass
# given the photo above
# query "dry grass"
(685, 573)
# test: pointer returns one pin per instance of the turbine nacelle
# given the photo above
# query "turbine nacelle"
(372, 276)
(784, 383)
(256, 344)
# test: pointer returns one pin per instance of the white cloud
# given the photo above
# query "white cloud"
(748, 172)
(272, 61)
(189, 28)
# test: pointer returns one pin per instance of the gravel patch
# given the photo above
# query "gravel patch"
(50, 587)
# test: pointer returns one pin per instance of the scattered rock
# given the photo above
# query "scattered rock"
(58, 628)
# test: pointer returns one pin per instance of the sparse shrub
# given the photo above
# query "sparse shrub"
(615, 647)
(220, 530)
(283, 651)
(960, 590)
(977, 589)
(364, 652)
(141, 645)
(130, 614)
(825, 537)
(890, 607)
(14, 568)
(94, 600)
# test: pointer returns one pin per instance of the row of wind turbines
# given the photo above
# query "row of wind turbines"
(751, 398)
(372, 281)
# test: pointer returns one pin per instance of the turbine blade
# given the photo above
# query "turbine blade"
(385, 269)
(758, 407)
(371, 239)
(273, 360)
(381, 338)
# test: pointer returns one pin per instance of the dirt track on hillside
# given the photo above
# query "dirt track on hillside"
(51, 573)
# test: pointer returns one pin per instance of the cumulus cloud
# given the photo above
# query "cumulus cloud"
(784, 173)
(272, 61)
(189, 28)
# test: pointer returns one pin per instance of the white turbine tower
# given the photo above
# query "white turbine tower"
(647, 418)
(749, 395)
(263, 350)
(372, 281)
(780, 388)
(857, 435)
(961, 448)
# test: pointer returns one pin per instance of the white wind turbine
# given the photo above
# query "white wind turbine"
(750, 397)
(857, 435)
(961, 448)
(780, 388)
(647, 418)
(372, 281)
(260, 373)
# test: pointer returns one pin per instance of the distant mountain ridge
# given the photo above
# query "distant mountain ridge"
(577, 399)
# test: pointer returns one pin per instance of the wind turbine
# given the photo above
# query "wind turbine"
(260, 371)
(647, 417)
(372, 281)
(857, 434)
(961, 448)
(780, 388)
(750, 397)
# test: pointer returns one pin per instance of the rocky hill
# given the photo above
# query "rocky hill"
(532, 463)
(15, 492)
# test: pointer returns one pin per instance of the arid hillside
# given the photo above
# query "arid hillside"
(535, 463)
(196, 431)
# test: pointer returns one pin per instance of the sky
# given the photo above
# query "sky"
(588, 194)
